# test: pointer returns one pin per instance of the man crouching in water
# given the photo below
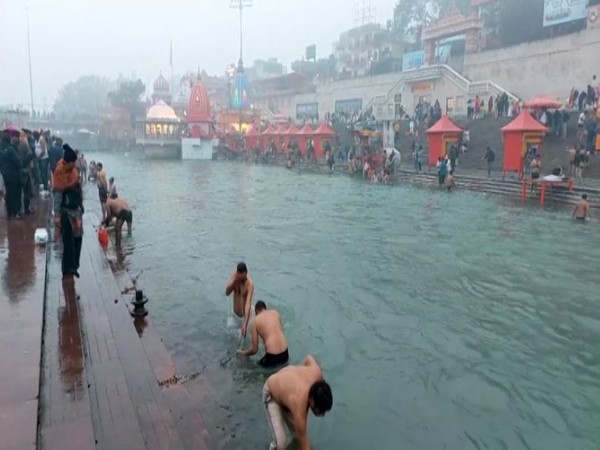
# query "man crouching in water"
(267, 325)
(288, 395)
(243, 289)
(118, 207)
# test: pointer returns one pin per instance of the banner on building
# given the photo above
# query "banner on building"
(413, 60)
(351, 106)
(562, 11)
(442, 53)
(307, 111)
(593, 19)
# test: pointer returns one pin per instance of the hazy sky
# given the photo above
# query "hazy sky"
(70, 38)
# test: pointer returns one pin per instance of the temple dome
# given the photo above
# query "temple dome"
(161, 84)
(199, 104)
(160, 110)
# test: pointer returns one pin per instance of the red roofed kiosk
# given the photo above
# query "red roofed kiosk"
(441, 136)
(519, 135)
(321, 135)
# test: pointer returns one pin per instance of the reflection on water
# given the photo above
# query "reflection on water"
(442, 321)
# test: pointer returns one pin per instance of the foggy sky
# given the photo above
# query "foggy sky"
(70, 38)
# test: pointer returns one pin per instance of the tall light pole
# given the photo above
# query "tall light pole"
(241, 5)
(30, 72)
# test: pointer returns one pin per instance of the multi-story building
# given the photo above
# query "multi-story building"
(262, 69)
(360, 49)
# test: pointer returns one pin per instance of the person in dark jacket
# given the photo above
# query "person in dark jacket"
(27, 179)
(55, 153)
(68, 210)
(10, 165)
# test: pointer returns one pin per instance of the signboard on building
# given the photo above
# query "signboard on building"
(593, 16)
(413, 60)
(561, 11)
(422, 87)
(307, 111)
(351, 106)
(311, 53)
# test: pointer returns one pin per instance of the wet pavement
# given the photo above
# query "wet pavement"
(22, 284)
(77, 372)
(103, 372)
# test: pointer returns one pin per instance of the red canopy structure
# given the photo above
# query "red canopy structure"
(542, 101)
(266, 136)
(519, 136)
(321, 135)
(441, 136)
(252, 137)
(280, 135)
(305, 135)
(306, 130)
(291, 133)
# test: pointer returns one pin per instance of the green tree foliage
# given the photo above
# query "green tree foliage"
(412, 15)
(128, 96)
(83, 98)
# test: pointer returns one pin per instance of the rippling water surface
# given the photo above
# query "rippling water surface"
(441, 321)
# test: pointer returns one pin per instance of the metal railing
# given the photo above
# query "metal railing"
(438, 71)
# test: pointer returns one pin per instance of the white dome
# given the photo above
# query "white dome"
(160, 110)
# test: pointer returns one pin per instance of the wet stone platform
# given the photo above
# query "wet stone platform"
(77, 372)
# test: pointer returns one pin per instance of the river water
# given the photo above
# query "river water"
(457, 321)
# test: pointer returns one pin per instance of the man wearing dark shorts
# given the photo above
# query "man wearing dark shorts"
(119, 209)
(267, 324)
(582, 209)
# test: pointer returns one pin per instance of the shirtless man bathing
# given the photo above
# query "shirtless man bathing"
(102, 187)
(582, 209)
(288, 395)
(243, 290)
(267, 325)
(117, 207)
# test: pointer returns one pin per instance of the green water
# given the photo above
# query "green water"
(456, 321)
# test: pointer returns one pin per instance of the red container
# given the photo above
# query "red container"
(103, 237)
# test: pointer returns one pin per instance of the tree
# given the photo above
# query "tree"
(412, 15)
(83, 98)
(128, 96)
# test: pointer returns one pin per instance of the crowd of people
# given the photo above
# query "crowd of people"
(35, 163)
(291, 392)
(27, 161)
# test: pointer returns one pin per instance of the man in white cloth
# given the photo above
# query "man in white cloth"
(288, 395)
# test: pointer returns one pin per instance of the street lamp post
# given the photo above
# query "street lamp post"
(241, 5)
(30, 72)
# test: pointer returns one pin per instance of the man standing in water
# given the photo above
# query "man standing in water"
(118, 207)
(267, 324)
(102, 188)
(582, 209)
(243, 289)
(288, 395)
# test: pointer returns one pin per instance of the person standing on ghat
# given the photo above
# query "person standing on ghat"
(102, 187)
(10, 165)
(68, 211)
